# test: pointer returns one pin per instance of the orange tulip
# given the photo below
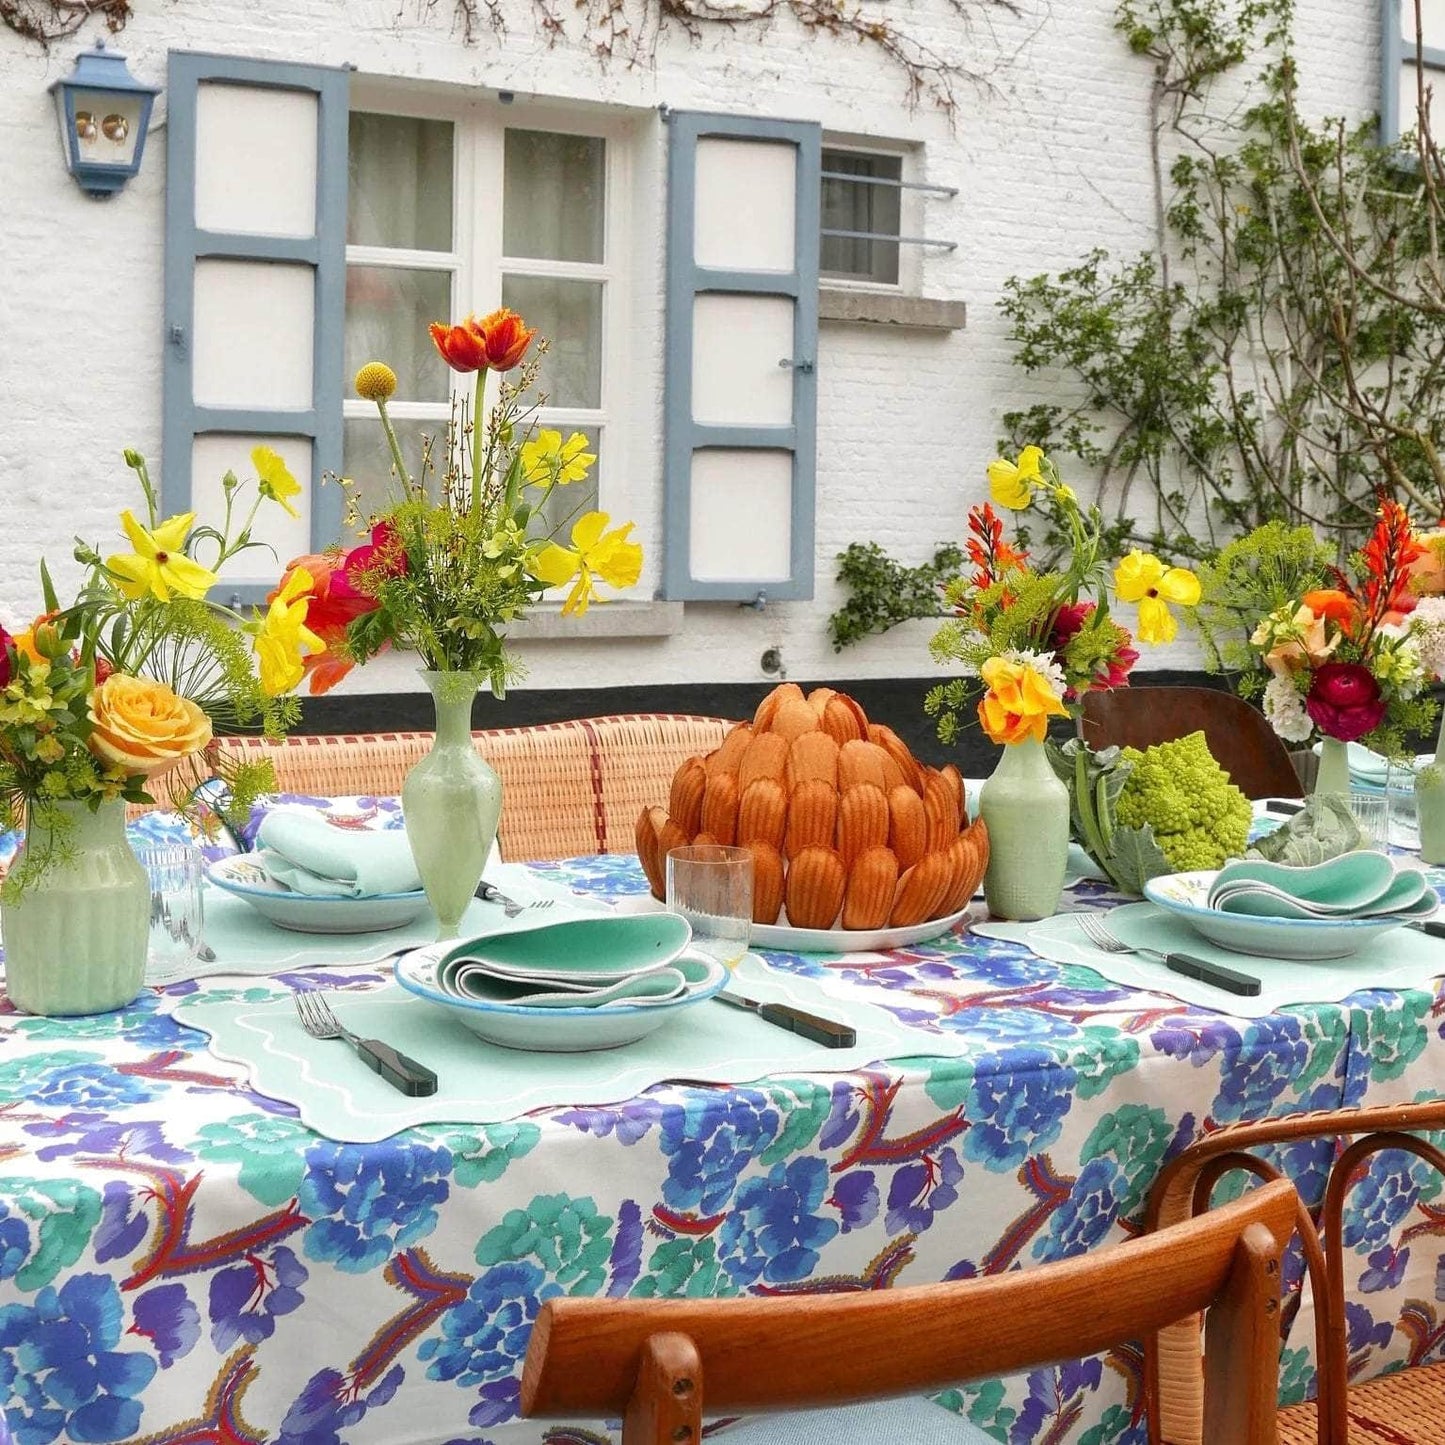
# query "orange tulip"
(462, 347)
(505, 338)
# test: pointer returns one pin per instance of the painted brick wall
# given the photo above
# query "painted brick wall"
(1049, 155)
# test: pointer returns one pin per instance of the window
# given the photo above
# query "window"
(861, 210)
(464, 213)
(1400, 53)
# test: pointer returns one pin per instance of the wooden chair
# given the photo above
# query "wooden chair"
(1395, 1409)
(568, 788)
(1243, 743)
(657, 1363)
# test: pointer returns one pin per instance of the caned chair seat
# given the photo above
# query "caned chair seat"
(1407, 1408)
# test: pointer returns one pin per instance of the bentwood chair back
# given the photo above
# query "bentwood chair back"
(1406, 1407)
(660, 1363)
(1242, 741)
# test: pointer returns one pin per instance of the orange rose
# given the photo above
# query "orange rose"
(144, 727)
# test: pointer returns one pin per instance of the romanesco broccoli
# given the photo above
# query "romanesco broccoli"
(1199, 817)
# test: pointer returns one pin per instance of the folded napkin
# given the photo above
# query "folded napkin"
(1361, 884)
(304, 852)
(580, 963)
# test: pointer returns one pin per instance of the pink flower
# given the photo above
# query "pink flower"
(1109, 674)
(1344, 701)
(382, 557)
(7, 656)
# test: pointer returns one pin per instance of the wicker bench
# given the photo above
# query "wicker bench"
(568, 788)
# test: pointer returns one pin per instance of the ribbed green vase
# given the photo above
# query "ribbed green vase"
(451, 802)
(75, 940)
(1026, 809)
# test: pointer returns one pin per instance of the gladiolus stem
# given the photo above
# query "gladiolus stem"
(478, 419)
(395, 446)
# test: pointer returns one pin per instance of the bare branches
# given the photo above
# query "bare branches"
(47, 20)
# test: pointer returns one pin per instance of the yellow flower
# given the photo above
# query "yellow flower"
(142, 726)
(548, 458)
(1018, 703)
(283, 638)
(1012, 485)
(376, 381)
(595, 553)
(275, 476)
(1141, 577)
(159, 565)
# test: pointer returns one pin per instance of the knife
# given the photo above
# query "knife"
(1435, 929)
(784, 1016)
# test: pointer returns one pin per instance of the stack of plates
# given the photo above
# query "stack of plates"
(585, 983)
(244, 876)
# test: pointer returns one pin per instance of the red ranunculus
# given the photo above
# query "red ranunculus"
(1344, 701)
(7, 656)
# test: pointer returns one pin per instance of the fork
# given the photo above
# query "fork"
(1186, 964)
(396, 1068)
(490, 893)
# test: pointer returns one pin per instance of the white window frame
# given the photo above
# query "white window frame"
(477, 263)
(910, 215)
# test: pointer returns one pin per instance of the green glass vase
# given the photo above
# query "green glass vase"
(1026, 809)
(1334, 770)
(1430, 804)
(451, 802)
(75, 939)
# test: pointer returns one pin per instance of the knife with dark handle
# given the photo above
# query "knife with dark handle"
(1433, 927)
(797, 1021)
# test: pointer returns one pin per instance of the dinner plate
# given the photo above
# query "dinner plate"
(244, 877)
(557, 1030)
(1186, 896)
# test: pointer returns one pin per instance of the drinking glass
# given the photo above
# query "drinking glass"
(712, 887)
(1372, 813)
(177, 911)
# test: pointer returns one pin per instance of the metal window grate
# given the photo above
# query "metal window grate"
(860, 236)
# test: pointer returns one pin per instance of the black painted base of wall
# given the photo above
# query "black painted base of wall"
(895, 701)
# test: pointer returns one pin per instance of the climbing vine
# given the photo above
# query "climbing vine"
(47, 20)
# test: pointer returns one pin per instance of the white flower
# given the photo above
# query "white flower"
(1046, 664)
(1285, 709)
(1427, 632)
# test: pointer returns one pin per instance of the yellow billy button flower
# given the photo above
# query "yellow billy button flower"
(376, 381)
(549, 458)
(275, 477)
(282, 638)
(595, 553)
(158, 564)
(1012, 484)
(1141, 577)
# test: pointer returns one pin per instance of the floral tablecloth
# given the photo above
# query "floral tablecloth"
(182, 1261)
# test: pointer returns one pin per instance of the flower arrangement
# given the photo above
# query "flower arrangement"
(121, 690)
(1038, 638)
(1348, 658)
(451, 559)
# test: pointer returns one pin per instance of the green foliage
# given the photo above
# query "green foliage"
(1252, 577)
(1279, 351)
(885, 593)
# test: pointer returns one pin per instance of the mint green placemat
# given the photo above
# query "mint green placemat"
(1401, 959)
(479, 1082)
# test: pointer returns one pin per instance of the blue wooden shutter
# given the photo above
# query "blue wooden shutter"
(740, 392)
(1398, 54)
(240, 365)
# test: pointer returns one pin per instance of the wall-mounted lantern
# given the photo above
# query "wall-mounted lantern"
(104, 115)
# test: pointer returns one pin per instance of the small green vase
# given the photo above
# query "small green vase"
(75, 939)
(1026, 809)
(1334, 771)
(451, 802)
(1430, 804)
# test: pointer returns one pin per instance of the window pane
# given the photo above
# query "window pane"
(563, 507)
(400, 187)
(554, 196)
(849, 206)
(569, 315)
(387, 310)
(366, 458)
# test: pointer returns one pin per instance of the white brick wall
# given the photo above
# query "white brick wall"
(1050, 160)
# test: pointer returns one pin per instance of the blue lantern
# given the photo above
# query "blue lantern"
(104, 115)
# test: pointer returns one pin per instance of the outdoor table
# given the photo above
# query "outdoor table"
(182, 1260)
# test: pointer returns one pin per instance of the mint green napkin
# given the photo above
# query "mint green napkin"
(1362, 884)
(304, 852)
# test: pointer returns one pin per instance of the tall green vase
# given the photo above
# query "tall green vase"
(1334, 770)
(75, 940)
(451, 801)
(1026, 809)
(1430, 804)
